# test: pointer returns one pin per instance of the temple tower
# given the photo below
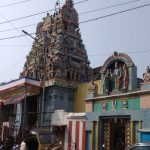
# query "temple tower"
(59, 51)
(59, 59)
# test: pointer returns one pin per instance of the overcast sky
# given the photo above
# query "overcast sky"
(127, 32)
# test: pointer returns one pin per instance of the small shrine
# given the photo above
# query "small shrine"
(121, 109)
(118, 74)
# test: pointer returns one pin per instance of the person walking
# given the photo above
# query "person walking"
(8, 144)
(30, 143)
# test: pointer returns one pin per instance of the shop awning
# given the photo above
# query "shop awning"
(13, 100)
(17, 90)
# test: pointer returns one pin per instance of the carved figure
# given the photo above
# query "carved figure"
(147, 75)
(50, 71)
(56, 60)
(59, 38)
(124, 104)
(75, 74)
(104, 106)
(58, 55)
(125, 77)
(79, 75)
(114, 104)
(117, 76)
(64, 73)
(106, 85)
(92, 87)
(71, 73)
(58, 72)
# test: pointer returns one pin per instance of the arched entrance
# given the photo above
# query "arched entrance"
(114, 132)
(118, 74)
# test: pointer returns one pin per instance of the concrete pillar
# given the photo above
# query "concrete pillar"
(139, 127)
(97, 135)
(92, 135)
(132, 132)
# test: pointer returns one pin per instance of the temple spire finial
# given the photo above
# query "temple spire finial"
(69, 1)
(57, 5)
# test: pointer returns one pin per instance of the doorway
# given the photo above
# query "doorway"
(31, 111)
(114, 133)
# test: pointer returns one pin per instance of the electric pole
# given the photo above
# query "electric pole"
(44, 48)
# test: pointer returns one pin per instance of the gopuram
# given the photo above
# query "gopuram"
(58, 52)
(58, 59)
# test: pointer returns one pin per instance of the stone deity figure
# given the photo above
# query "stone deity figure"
(125, 77)
(92, 87)
(114, 104)
(117, 76)
(124, 104)
(104, 106)
(147, 75)
(107, 79)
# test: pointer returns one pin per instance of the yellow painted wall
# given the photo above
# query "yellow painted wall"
(81, 94)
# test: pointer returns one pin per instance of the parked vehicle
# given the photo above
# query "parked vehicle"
(139, 146)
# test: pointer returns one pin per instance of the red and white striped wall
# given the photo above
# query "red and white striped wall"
(75, 134)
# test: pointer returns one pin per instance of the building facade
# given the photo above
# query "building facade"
(20, 109)
(115, 117)
(60, 93)
(57, 62)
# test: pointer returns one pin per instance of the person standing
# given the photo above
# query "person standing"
(30, 143)
(8, 144)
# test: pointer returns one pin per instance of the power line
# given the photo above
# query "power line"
(104, 17)
(14, 45)
(131, 52)
(11, 24)
(94, 19)
(16, 19)
(43, 12)
(11, 4)
(134, 8)
(81, 2)
(111, 6)
(18, 36)
(13, 37)
(7, 69)
(18, 27)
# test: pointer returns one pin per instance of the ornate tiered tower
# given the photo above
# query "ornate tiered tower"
(58, 52)
(59, 59)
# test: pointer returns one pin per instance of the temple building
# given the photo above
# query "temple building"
(57, 62)
(59, 95)
(19, 110)
(119, 109)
